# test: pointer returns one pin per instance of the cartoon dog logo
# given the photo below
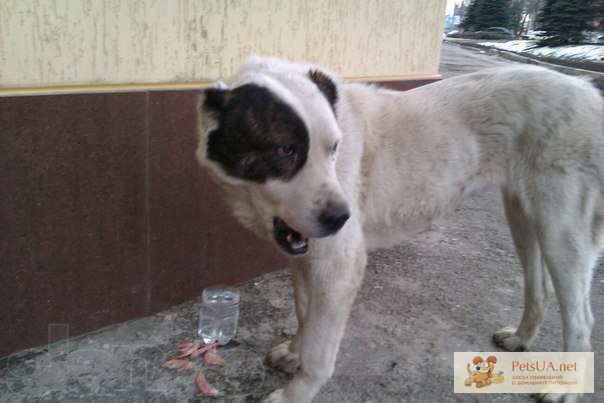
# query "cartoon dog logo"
(484, 372)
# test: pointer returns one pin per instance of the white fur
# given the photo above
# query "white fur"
(407, 158)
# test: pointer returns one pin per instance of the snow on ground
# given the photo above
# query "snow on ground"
(594, 53)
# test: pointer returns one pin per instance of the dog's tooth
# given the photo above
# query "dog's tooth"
(299, 244)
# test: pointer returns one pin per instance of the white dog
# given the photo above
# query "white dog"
(330, 170)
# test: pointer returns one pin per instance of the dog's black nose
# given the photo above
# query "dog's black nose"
(333, 218)
(477, 368)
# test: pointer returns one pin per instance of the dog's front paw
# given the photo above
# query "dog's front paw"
(281, 357)
(557, 398)
(506, 338)
(277, 396)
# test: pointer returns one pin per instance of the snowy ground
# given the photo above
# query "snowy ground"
(592, 53)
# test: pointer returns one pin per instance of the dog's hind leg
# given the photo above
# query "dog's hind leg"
(566, 210)
(565, 227)
(536, 282)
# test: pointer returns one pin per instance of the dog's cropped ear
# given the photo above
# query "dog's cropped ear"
(492, 359)
(215, 99)
(212, 102)
(326, 86)
(477, 360)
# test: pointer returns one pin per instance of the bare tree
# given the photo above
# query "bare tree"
(532, 10)
(523, 15)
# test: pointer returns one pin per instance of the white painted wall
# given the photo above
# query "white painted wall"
(83, 42)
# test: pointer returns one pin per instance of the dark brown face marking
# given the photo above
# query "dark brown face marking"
(259, 137)
(326, 86)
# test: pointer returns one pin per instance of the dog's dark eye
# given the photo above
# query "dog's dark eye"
(334, 148)
(285, 151)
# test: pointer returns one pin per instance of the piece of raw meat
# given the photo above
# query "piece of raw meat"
(203, 387)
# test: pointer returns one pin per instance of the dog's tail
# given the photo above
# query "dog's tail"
(468, 368)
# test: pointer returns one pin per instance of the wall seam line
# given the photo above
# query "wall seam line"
(148, 262)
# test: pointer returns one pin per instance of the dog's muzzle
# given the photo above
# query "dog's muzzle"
(290, 240)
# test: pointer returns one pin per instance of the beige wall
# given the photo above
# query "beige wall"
(73, 42)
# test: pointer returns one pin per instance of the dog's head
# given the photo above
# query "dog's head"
(484, 367)
(271, 139)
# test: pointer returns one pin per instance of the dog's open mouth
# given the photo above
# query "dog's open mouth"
(290, 240)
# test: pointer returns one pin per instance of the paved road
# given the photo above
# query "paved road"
(455, 60)
(447, 290)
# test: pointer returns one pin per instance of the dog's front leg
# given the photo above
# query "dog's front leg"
(331, 277)
(285, 356)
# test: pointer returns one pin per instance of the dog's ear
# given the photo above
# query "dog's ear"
(215, 99)
(477, 360)
(492, 359)
(326, 86)
(212, 102)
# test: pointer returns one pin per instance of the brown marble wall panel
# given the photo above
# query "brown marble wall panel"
(105, 214)
(401, 85)
(194, 241)
(72, 214)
